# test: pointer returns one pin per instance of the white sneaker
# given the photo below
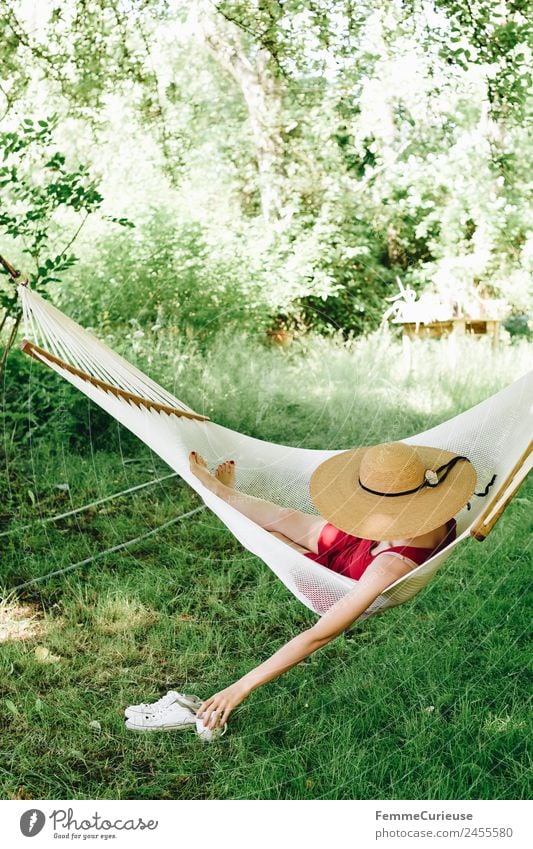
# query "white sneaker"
(191, 702)
(207, 735)
(172, 718)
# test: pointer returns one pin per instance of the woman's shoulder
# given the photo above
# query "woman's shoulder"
(434, 538)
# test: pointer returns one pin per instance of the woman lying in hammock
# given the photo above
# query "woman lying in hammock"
(384, 510)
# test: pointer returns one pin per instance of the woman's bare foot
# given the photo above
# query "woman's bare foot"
(225, 473)
(198, 467)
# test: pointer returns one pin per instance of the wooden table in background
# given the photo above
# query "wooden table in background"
(451, 330)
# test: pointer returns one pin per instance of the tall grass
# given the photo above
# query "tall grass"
(325, 392)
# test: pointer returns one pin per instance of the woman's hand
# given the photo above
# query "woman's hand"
(383, 572)
(216, 710)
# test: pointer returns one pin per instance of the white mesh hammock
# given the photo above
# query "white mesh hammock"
(495, 435)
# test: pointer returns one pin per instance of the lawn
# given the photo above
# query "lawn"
(429, 700)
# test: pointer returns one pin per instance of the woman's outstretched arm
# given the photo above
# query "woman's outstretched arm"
(384, 571)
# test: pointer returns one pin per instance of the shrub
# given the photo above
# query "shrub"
(166, 274)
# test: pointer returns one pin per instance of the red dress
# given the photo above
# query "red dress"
(351, 556)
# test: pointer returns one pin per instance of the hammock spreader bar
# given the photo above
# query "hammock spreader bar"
(490, 515)
(39, 354)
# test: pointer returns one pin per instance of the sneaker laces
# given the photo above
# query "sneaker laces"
(161, 704)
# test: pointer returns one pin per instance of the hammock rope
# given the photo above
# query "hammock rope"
(495, 435)
(111, 550)
(46, 519)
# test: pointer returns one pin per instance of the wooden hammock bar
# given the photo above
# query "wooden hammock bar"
(482, 528)
(39, 354)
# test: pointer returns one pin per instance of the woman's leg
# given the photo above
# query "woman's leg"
(302, 528)
(291, 543)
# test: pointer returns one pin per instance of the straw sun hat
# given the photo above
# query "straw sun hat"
(392, 490)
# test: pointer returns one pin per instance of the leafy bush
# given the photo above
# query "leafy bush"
(167, 274)
(519, 326)
(37, 404)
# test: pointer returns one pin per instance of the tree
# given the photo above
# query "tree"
(321, 147)
(255, 74)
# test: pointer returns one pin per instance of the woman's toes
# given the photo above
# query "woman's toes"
(197, 465)
(225, 472)
(197, 458)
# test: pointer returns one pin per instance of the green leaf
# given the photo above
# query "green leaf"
(123, 222)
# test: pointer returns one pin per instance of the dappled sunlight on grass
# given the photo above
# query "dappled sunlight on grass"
(503, 724)
(20, 621)
(120, 615)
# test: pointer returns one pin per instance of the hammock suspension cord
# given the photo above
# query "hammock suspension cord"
(111, 550)
(38, 354)
(15, 275)
(56, 518)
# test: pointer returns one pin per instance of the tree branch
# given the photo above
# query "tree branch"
(258, 37)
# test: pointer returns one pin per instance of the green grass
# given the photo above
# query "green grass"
(429, 700)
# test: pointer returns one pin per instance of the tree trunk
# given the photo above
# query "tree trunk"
(262, 95)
